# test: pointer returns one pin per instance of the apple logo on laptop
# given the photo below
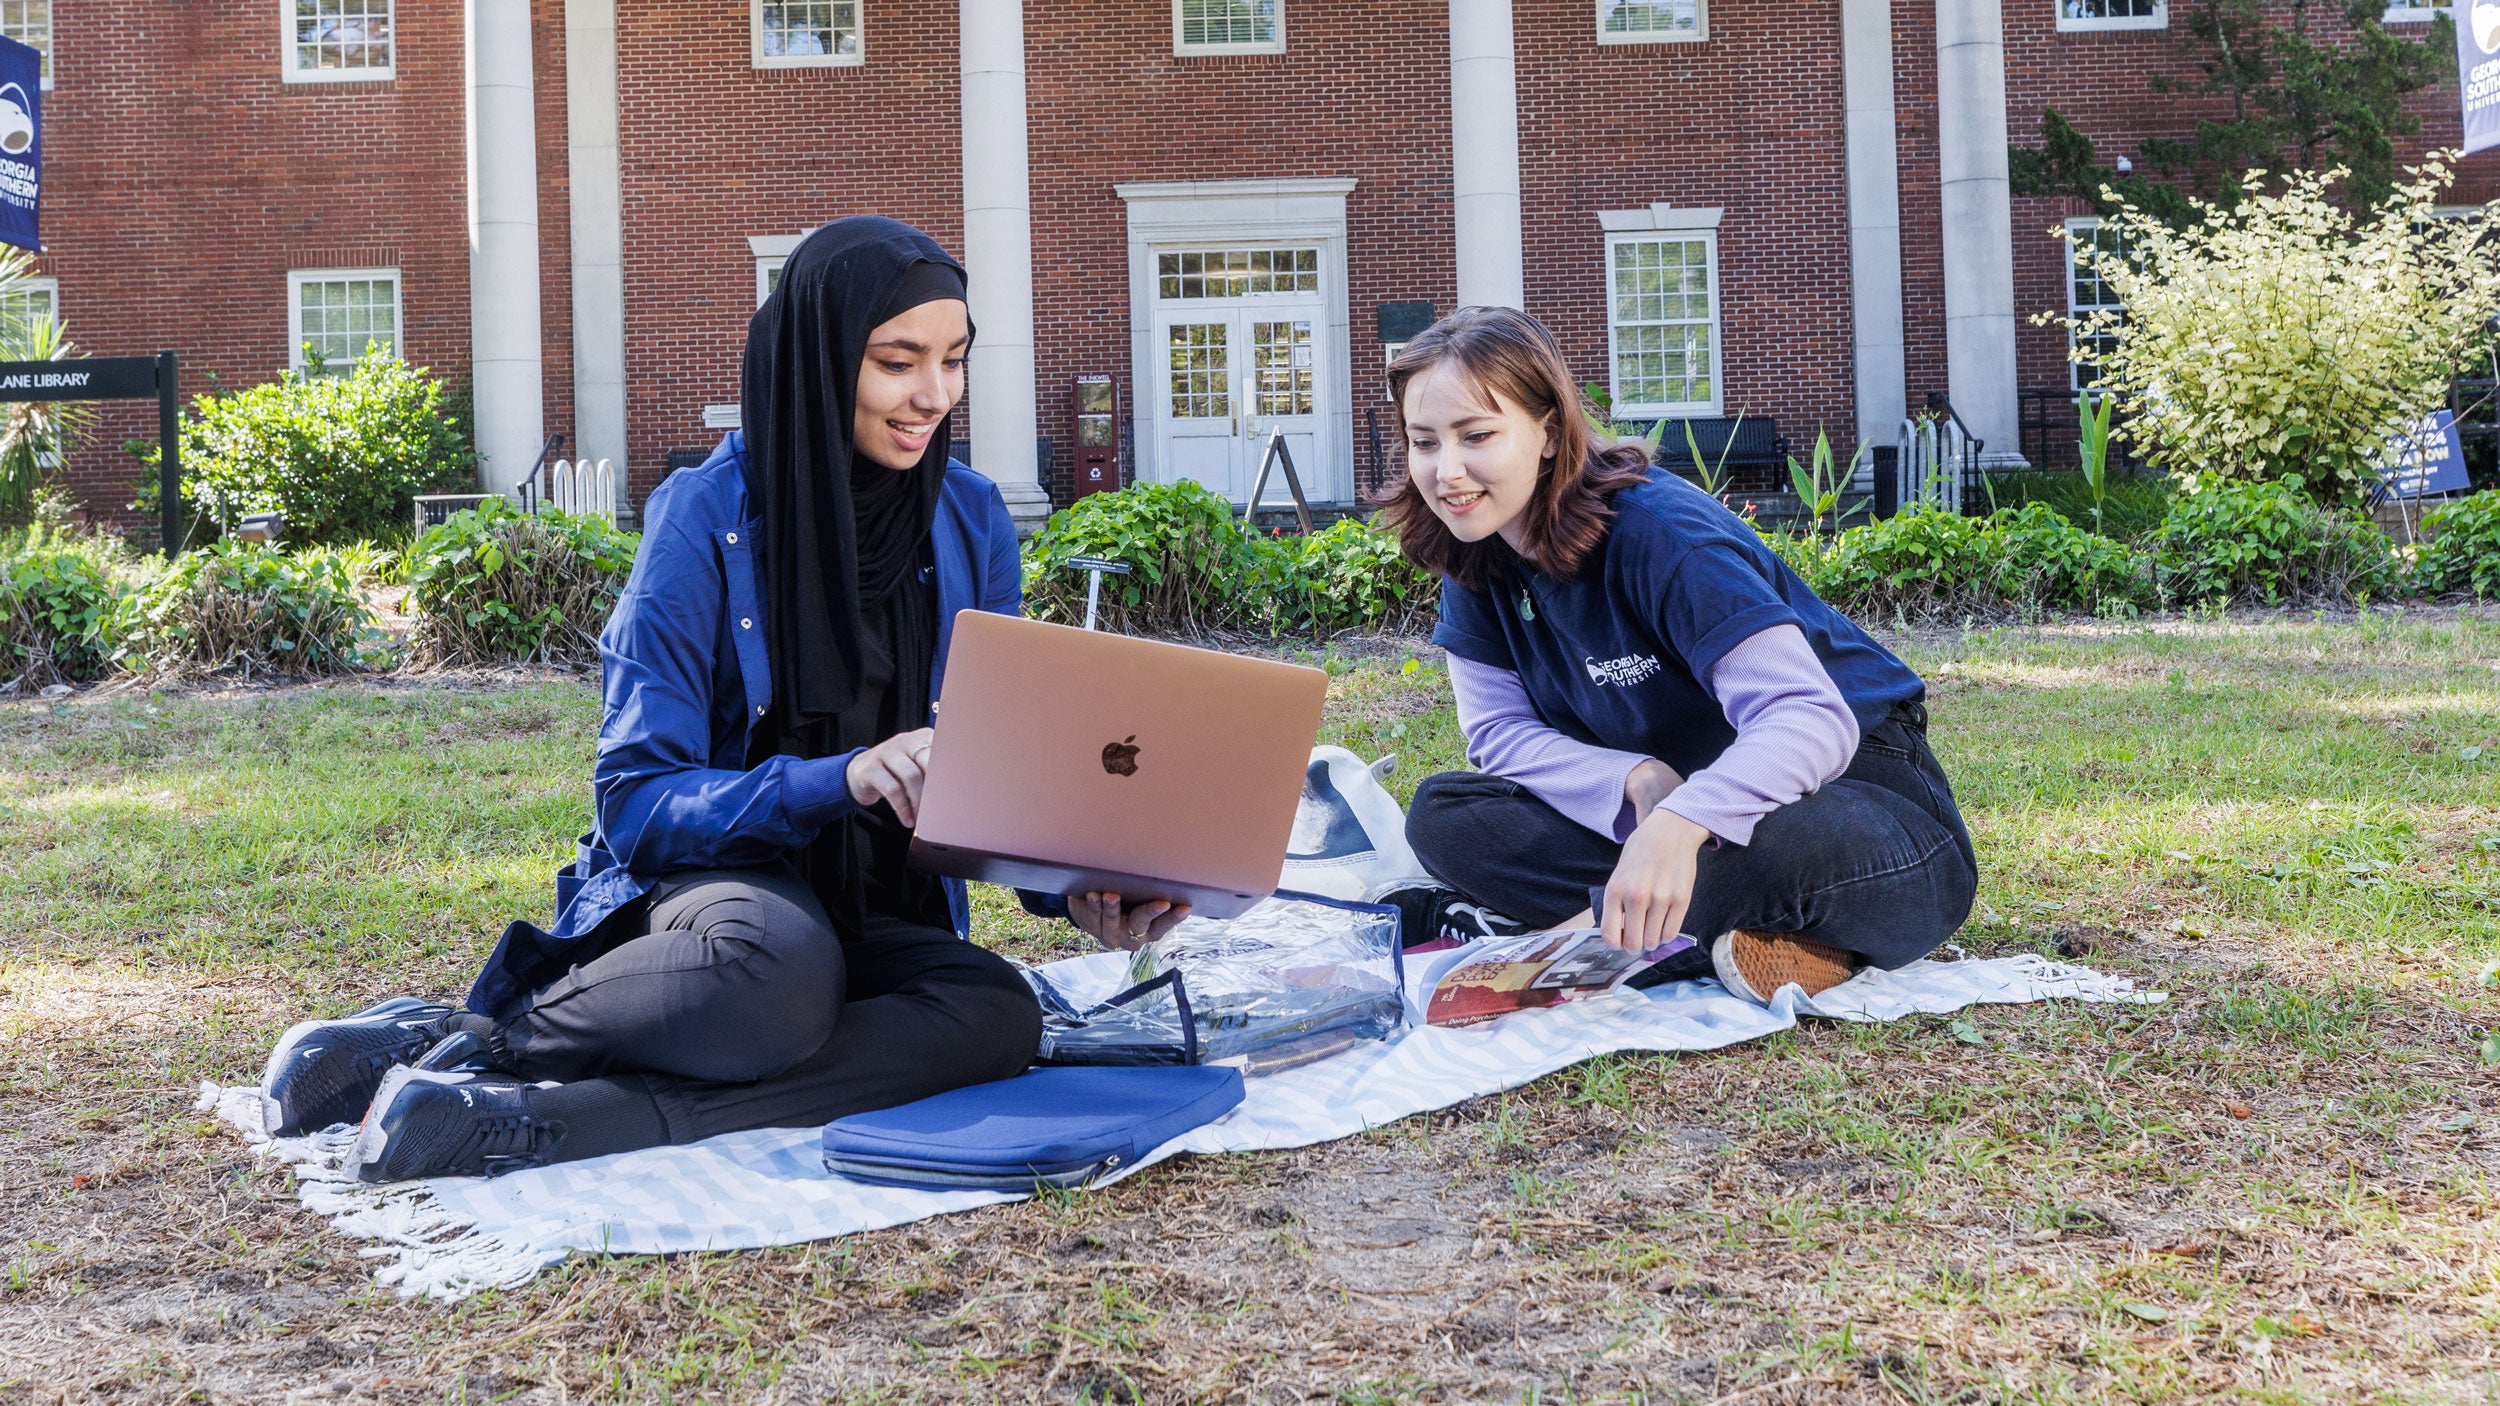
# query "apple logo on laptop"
(1120, 758)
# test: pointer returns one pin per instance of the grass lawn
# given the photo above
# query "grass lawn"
(2277, 1187)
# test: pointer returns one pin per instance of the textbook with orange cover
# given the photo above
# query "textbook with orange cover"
(1492, 978)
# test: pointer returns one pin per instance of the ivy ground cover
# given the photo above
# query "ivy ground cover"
(2277, 1187)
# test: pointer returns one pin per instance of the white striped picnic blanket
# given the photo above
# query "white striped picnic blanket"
(453, 1237)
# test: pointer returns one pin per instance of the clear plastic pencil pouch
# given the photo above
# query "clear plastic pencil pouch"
(1294, 979)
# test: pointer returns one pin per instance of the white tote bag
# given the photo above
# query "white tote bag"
(1349, 836)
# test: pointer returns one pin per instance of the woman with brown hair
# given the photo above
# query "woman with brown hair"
(1675, 734)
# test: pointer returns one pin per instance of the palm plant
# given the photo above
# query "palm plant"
(36, 436)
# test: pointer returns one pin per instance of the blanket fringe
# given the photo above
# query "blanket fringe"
(434, 1251)
(2055, 980)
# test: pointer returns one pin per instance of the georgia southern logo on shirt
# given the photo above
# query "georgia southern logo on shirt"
(1630, 669)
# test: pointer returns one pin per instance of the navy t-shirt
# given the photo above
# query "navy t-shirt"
(1620, 656)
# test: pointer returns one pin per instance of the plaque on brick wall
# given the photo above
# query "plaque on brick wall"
(1400, 322)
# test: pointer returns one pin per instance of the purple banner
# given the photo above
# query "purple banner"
(2478, 71)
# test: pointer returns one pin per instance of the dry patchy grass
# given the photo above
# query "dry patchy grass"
(2278, 1187)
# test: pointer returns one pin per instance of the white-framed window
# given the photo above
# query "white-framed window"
(2411, 12)
(771, 252)
(340, 314)
(2087, 292)
(806, 33)
(27, 302)
(29, 22)
(339, 41)
(1662, 314)
(2113, 14)
(1653, 21)
(1228, 26)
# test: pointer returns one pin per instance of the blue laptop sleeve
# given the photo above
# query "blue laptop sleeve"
(1045, 1127)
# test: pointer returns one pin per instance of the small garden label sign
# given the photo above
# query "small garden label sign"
(2424, 459)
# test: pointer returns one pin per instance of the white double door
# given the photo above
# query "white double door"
(1229, 376)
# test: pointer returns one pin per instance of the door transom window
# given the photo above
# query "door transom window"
(1236, 273)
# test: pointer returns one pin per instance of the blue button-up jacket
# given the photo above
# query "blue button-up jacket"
(685, 681)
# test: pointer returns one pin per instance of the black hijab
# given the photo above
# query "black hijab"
(839, 537)
(850, 607)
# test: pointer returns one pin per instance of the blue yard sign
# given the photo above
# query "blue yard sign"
(2478, 71)
(2424, 460)
(21, 144)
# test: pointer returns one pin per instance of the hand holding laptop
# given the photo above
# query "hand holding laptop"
(1124, 927)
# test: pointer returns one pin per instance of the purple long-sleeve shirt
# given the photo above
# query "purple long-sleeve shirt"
(1794, 733)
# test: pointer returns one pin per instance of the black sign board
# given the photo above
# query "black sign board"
(1402, 322)
(96, 378)
(117, 378)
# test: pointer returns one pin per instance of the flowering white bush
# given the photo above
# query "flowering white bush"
(2286, 335)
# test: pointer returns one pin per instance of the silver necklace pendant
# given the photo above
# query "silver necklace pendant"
(1527, 604)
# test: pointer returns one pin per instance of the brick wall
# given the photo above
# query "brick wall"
(1751, 122)
(715, 150)
(1363, 92)
(185, 178)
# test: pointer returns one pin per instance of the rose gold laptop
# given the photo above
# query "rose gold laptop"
(1074, 762)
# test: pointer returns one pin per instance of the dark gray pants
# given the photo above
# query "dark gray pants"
(1877, 862)
(741, 1007)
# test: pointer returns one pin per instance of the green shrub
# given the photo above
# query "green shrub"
(1354, 578)
(2463, 553)
(2043, 558)
(1912, 562)
(1192, 566)
(341, 456)
(1923, 561)
(2288, 334)
(2131, 512)
(367, 563)
(248, 609)
(57, 599)
(494, 584)
(2269, 542)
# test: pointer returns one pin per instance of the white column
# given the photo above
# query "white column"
(1978, 224)
(1484, 155)
(598, 226)
(1874, 218)
(503, 242)
(998, 255)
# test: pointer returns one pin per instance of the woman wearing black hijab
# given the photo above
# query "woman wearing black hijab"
(740, 944)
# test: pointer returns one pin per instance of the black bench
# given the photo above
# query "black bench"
(1746, 450)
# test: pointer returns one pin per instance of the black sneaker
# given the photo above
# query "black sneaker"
(324, 1072)
(431, 1122)
(1431, 913)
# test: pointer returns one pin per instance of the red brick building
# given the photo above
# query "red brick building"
(1722, 206)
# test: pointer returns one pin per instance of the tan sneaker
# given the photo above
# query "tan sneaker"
(1755, 965)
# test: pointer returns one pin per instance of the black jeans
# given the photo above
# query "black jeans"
(1877, 862)
(741, 1007)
